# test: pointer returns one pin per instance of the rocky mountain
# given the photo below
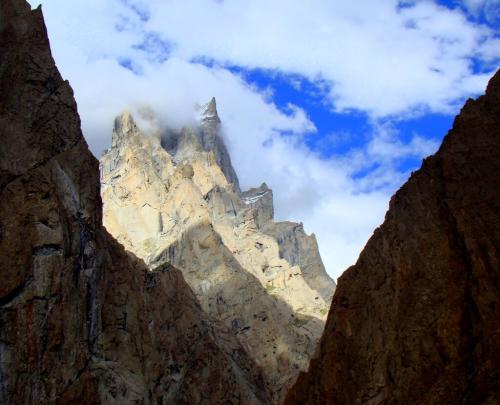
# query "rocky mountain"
(205, 299)
(174, 197)
(82, 321)
(417, 319)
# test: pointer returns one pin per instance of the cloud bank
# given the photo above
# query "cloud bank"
(388, 60)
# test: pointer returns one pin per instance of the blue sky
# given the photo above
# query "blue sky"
(332, 103)
(339, 133)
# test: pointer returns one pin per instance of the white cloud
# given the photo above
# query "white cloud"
(490, 51)
(378, 57)
(383, 60)
(385, 57)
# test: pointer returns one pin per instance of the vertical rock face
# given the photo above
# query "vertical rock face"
(171, 200)
(299, 249)
(206, 137)
(261, 201)
(81, 320)
(417, 319)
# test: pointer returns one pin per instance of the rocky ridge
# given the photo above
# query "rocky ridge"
(169, 199)
(417, 319)
(81, 319)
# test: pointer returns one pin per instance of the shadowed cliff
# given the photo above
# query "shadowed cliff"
(81, 320)
(417, 319)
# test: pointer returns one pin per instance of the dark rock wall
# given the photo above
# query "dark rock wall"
(81, 320)
(417, 319)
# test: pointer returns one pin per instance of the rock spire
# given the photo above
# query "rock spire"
(174, 203)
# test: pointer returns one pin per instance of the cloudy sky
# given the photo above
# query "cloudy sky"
(331, 102)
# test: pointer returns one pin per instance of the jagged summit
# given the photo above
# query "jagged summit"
(124, 122)
(124, 126)
(186, 144)
(261, 200)
(209, 112)
(179, 204)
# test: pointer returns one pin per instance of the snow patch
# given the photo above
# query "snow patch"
(255, 198)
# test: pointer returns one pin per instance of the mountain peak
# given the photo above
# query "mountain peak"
(124, 128)
(209, 111)
(124, 122)
(493, 88)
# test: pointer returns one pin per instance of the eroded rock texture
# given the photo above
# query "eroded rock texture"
(174, 198)
(81, 320)
(416, 320)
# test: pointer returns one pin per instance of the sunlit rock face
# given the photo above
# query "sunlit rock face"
(174, 198)
(82, 321)
(417, 319)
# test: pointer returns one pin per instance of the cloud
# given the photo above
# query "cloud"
(386, 59)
